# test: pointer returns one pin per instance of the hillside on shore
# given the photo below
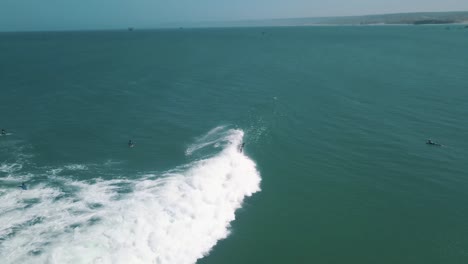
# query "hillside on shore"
(385, 19)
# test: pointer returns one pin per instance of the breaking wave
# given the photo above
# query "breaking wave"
(175, 217)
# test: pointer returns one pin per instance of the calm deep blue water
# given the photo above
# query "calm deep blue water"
(335, 168)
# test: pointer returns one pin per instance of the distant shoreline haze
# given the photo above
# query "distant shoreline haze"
(418, 18)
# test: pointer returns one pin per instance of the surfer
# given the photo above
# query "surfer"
(430, 142)
(241, 148)
(3, 132)
(23, 186)
(130, 144)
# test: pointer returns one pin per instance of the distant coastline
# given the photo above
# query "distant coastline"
(420, 18)
(396, 19)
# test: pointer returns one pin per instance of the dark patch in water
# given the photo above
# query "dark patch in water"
(35, 252)
(94, 220)
(31, 202)
(95, 205)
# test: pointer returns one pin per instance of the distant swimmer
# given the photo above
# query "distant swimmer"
(23, 186)
(241, 148)
(130, 144)
(430, 142)
(3, 132)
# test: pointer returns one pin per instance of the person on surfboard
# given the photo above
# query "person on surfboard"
(430, 142)
(23, 186)
(241, 148)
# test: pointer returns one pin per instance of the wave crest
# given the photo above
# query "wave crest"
(176, 218)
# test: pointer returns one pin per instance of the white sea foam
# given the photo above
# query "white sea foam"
(110, 163)
(71, 167)
(76, 167)
(176, 218)
(55, 172)
(10, 167)
(213, 138)
(16, 178)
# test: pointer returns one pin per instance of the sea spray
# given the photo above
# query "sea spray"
(176, 218)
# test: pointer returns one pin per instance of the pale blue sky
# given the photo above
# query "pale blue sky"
(101, 14)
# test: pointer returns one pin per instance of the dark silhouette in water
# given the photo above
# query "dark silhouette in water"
(130, 144)
(3, 132)
(23, 186)
(430, 142)
(241, 148)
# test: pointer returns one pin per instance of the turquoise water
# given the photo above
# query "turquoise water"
(335, 167)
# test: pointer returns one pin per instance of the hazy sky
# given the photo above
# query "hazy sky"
(101, 14)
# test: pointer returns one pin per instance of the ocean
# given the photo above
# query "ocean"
(335, 167)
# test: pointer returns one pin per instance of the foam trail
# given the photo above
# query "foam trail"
(174, 219)
(9, 168)
(76, 167)
(213, 137)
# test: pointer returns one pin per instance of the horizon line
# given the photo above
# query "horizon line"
(173, 25)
